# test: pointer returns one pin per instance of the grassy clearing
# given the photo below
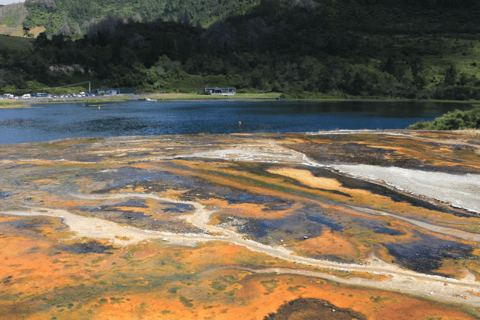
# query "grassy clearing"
(12, 105)
(15, 43)
(96, 102)
(246, 96)
(104, 100)
(465, 61)
(194, 96)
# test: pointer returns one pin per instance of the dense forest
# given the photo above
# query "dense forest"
(303, 48)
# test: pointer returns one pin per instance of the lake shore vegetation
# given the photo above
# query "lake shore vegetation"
(453, 120)
(13, 105)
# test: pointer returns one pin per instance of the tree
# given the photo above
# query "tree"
(450, 75)
(222, 37)
(65, 28)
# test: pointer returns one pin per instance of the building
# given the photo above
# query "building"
(114, 91)
(221, 91)
(107, 91)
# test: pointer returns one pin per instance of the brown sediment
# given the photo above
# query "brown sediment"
(412, 151)
(328, 244)
(304, 309)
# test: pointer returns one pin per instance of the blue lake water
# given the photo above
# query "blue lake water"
(67, 120)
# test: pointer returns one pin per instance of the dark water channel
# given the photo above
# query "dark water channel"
(67, 120)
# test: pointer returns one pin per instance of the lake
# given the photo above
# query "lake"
(66, 120)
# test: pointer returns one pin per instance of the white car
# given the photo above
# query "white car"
(26, 96)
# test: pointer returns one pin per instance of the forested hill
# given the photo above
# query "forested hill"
(76, 16)
(401, 48)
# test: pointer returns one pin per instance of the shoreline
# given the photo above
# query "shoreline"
(172, 97)
(408, 133)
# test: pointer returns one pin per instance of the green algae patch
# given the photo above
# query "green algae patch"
(269, 285)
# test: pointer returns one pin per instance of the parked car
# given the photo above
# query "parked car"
(26, 96)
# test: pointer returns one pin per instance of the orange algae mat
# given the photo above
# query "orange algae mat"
(174, 271)
(42, 283)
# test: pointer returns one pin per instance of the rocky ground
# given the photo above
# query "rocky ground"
(347, 224)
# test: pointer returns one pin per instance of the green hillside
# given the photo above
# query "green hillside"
(11, 18)
(12, 15)
(74, 17)
(302, 48)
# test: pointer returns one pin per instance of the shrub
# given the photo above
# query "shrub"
(453, 120)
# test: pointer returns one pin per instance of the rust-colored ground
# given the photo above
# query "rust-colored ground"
(174, 271)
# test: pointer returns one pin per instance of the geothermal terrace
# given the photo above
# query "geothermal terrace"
(344, 224)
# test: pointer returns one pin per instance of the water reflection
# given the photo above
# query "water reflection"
(50, 122)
